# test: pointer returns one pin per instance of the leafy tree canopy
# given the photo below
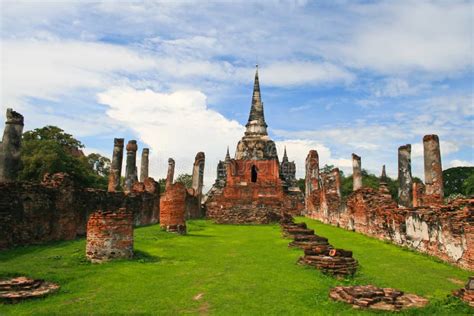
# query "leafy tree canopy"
(458, 180)
(50, 150)
(185, 179)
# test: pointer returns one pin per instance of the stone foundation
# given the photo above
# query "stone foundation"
(57, 209)
(18, 289)
(109, 236)
(372, 297)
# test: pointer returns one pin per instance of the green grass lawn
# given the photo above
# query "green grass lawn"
(234, 270)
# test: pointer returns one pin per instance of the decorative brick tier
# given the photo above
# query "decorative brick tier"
(20, 288)
(109, 236)
(369, 296)
(173, 208)
(335, 264)
(305, 241)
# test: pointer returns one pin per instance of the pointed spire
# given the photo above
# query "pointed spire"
(285, 156)
(227, 155)
(256, 124)
(383, 177)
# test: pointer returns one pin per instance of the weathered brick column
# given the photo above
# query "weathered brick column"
(173, 208)
(418, 192)
(433, 169)
(10, 146)
(131, 167)
(170, 174)
(198, 174)
(144, 164)
(356, 172)
(312, 172)
(109, 235)
(116, 166)
(405, 180)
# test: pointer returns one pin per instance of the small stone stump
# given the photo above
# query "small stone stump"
(369, 296)
(467, 293)
(337, 262)
(109, 235)
(17, 289)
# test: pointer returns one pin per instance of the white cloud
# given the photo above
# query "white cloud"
(298, 149)
(176, 125)
(49, 69)
(398, 37)
(460, 163)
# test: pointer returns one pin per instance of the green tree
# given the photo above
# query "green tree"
(50, 150)
(468, 186)
(301, 184)
(454, 180)
(185, 179)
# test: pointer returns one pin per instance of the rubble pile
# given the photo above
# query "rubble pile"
(467, 293)
(369, 296)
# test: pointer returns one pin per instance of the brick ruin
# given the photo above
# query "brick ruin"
(58, 209)
(254, 187)
(109, 235)
(467, 293)
(318, 252)
(15, 290)
(419, 220)
(179, 203)
(372, 297)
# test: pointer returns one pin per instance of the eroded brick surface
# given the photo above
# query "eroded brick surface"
(109, 235)
(17, 289)
(173, 208)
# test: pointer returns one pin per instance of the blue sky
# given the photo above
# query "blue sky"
(339, 76)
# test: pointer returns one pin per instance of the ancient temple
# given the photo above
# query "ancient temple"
(254, 187)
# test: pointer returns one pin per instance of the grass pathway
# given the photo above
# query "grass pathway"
(222, 270)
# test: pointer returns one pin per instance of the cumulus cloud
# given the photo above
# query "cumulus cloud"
(177, 125)
(460, 163)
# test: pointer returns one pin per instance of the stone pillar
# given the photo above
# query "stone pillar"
(383, 187)
(405, 181)
(337, 178)
(131, 167)
(312, 172)
(433, 169)
(170, 175)
(10, 146)
(356, 172)
(116, 166)
(109, 235)
(198, 175)
(144, 164)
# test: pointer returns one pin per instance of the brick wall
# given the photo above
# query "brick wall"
(57, 209)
